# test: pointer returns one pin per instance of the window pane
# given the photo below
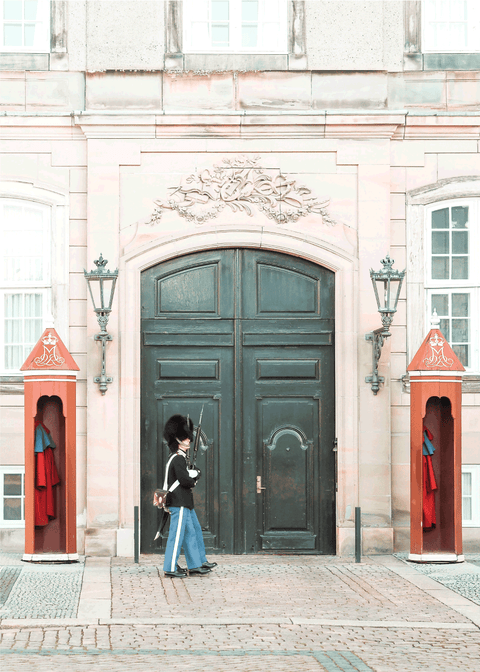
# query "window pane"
(13, 305)
(200, 36)
(13, 331)
(29, 34)
(467, 484)
(220, 36)
(12, 508)
(466, 508)
(440, 242)
(440, 219)
(33, 331)
(460, 268)
(459, 9)
(440, 304)
(460, 331)
(220, 10)
(458, 35)
(459, 217)
(445, 328)
(462, 353)
(31, 7)
(12, 9)
(249, 10)
(33, 305)
(271, 32)
(12, 484)
(459, 241)
(249, 36)
(14, 356)
(460, 305)
(12, 35)
(440, 268)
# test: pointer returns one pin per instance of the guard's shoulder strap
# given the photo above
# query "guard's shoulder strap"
(165, 482)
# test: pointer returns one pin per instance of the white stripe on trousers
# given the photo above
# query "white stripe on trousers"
(177, 539)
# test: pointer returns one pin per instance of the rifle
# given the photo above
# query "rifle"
(197, 440)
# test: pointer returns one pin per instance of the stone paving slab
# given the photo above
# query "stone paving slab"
(381, 650)
(252, 613)
(243, 661)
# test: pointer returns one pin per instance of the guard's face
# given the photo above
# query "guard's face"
(185, 444)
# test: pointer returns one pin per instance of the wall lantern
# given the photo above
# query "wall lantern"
(101, 283)
(387, 307)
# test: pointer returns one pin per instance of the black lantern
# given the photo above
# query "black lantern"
(101, 283)
(387, 284)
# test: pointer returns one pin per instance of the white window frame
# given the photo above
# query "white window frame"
(21, 287)
(12, 469)
(235, 34)
(470, 286)
(43, 21)
(472, 25)
(474, 470)
(57, 305)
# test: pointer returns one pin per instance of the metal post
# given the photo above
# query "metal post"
(358, 534)
(135, 532)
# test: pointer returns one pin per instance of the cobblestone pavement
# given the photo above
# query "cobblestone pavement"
(40, 591)
(295, 613)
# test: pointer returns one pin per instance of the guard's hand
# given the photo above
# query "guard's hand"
(193, 473)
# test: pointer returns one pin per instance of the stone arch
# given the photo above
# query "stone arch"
(268, 238)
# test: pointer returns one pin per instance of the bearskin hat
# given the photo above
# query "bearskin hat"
(177, 427)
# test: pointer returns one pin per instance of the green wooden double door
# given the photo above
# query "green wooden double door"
(249, 335)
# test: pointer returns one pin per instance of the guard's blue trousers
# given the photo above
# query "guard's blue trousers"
(182, 532)
(199, 534)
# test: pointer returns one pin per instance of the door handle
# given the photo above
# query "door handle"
(260, 487)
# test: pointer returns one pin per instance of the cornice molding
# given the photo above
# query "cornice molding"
(395, 125)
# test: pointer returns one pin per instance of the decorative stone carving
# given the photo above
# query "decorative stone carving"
(49, 356)
(437, 356)
(241, 185)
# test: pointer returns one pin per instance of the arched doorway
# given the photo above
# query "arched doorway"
(250, 335)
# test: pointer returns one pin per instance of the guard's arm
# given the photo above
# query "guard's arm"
(181, 473)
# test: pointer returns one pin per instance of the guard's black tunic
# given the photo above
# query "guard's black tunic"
(177, 471)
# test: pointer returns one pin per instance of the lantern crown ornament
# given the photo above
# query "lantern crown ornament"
(101, 284)
(387, 285)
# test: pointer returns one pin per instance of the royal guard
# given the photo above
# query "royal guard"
(185, 529)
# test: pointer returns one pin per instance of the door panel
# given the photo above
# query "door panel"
(288, 500)
(250, 335)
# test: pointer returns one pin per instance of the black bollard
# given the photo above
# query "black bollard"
(135, 533)
(358, 534)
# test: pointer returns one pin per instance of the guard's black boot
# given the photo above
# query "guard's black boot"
(199, 570)
(181, 569)
(209, 565)
(176, 575)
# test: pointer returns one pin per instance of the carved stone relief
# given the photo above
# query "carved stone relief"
(241, 185)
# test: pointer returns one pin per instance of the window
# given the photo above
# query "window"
(236, 26)
(451, 26)
(471, 495)
(12, 490)
(25, 25)
(25, 284)
(453, 277)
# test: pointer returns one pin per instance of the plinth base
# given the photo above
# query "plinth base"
(436, 557)
(50, 557)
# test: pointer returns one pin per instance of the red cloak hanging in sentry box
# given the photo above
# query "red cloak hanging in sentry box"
(50, 374)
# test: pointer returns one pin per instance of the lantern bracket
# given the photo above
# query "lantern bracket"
(103, 307)
(384, 280)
